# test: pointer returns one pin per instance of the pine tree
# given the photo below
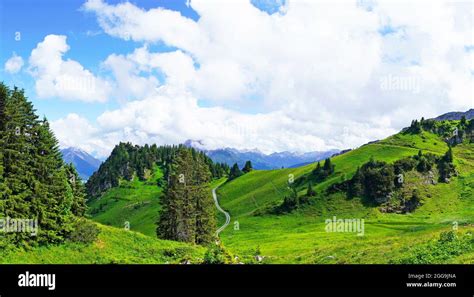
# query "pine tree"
(318, 169)
(415, 127)
(187, 208)
(247, 167)
(4, 93)
(328, 167)
(448, 156)
(205, 210)
(18, 149)
(470, 126)
(53, 196)
(235, 172)
(446, 166)
(177, 221)
(355, 184)
(34, 184)
(310, 192)
(78, 189)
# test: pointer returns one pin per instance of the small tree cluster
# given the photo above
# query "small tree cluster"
(446, 166)
(374, 180)
(128, 161)
(322, 172)
(235, 171)
(453, 132)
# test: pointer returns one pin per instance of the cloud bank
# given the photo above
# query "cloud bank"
(310, 75)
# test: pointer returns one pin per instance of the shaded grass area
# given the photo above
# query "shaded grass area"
(113, 245)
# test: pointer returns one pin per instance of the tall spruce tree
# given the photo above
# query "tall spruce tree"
(328, 166)
(34, 182)
(318, 169)
(235, 172)
(18, 149)
(52, 199)
(187, 208)
(78, 189)
(247, 167)
(205, 210)
(4, 93)
(177, 221)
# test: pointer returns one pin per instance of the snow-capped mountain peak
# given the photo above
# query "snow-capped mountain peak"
(85, 164)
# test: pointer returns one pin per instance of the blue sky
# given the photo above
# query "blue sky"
(34, 21)
(88, 43)
(266, 74)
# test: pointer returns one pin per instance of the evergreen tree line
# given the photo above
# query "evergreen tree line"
(127, 161)
(322, 172)
(454, 133)
(35, 183)
(235, 171)
(187, 212)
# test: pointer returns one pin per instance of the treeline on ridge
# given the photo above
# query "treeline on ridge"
(128, 161)
(453, 132)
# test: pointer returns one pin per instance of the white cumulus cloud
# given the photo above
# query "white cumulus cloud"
(66, 79)
(14, 64)
(314, 75)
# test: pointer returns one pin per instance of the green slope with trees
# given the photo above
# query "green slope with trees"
(281, 214)
(414, 191)
(133, 205)
(36, 185)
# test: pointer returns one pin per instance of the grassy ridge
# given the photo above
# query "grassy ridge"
(300, 237)
(259, 188)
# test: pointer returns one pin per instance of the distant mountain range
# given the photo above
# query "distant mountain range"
(260, 160)
(85, 164)
(456, 115)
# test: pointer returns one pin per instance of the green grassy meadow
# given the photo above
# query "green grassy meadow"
(136, 202)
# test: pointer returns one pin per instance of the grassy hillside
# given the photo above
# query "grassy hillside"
(136, 202)
(113, 245)
(300, 237)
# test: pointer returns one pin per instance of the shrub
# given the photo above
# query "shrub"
(183, 254)
(217, 254)
(84, 231)
(448, 246)
(447, 236)
(404, 165)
